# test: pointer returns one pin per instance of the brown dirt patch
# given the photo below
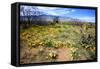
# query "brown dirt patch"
(64, 54)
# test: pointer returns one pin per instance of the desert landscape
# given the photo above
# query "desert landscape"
(53, 38)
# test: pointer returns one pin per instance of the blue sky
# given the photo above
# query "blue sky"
(82, 14)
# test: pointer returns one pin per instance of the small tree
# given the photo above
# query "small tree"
(56, 19)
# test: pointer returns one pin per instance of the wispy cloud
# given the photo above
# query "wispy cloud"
(46, 8)
(56, 11)
(73, 10)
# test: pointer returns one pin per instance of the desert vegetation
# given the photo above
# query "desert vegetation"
(55, 40)
(59, 42)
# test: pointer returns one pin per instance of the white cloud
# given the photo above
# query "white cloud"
(52, 12)
(56, 10)
(72, 10)
(46, 8)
